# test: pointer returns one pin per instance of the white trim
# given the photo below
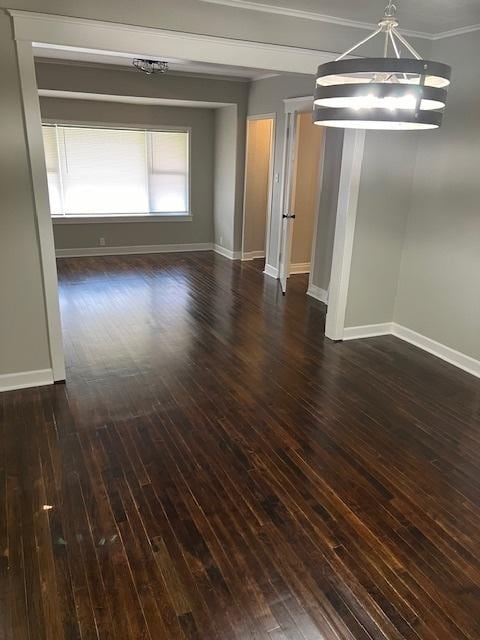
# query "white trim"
(270, 271)
(110, 37)
(25, 379)
(122, 218)
(38, 172)
(455, 32)
(300, 267)
(318, 293)
(98, 124)
(456, 358)
(252, 255)
(367, 331)
(265, 76)
(227, 253)
(271, 179)
(309, 15)
(318, 199)
(281, 211)
(142, 100)
(133, 249)
(263, 116)
(351, 167)
(298, 105)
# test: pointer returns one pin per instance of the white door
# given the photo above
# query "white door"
(288, 215)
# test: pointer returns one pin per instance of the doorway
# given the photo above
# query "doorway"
(157, 43)
(301, 186)
(258, 186)
(305, 190)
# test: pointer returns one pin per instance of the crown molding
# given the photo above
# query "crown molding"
(455, 32)
(310, 15)
(344, 22)
(30, 17)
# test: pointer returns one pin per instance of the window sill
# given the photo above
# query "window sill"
(121, 218)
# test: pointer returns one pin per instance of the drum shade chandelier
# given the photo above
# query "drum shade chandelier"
(382, 93)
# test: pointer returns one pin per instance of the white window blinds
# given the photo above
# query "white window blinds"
(93, 171)
(53, 170)
(168, 177)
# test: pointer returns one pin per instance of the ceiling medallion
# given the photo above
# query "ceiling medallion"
(382, 93)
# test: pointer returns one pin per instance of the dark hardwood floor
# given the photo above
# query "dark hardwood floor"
(216, 469)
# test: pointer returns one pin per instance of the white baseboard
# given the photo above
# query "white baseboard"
(25, 379)
(457, 358)
(252, 255)
(300, 267)
(318, 293)
(270, 271)
(367, 331)
(226, 253)
(133, 249)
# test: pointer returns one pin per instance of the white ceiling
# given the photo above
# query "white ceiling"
(428, 16)
(175, 65)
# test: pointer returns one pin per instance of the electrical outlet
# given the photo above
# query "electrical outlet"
(221, 240)
(101, 242)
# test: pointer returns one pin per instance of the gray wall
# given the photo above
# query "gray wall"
(225, 176)
(108, 79)
(23, 329)
(383, 205)
(201, 121)
(439, 285)
(327, 214)
(416, 256)
(266, 96)
(123, 81)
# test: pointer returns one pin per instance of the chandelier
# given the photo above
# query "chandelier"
(150, 66)
(382, 93)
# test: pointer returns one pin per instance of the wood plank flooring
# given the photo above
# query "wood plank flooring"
(216, 469)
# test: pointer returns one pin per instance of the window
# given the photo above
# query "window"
(108, 172)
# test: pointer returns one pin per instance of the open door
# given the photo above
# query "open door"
(293, 109)
(288, 215)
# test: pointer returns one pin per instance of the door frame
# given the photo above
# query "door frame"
(292, 106)
(86, 35)
(348, 191)
(273, 118)
(349, 185)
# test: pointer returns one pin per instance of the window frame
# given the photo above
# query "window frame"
(148, 216)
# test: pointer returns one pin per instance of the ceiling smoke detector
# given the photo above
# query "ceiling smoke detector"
(150, 66)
